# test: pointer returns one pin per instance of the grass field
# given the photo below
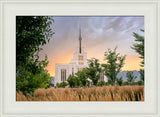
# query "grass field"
(106, 93)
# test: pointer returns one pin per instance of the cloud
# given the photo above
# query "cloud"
(98, 34)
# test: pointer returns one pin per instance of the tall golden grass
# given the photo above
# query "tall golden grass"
(106, 93)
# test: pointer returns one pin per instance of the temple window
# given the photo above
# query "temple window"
(81, 63)
(63, 74)
(80, 58)
(101, 76)
(72, 70)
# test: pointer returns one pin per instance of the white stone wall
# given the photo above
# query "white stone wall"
(105, 79)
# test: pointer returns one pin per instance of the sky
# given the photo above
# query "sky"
(98, 35)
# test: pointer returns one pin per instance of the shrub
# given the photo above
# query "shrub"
(134, 83)
(62, 84)
(109, 82)
(126, 83)
(27, 82)
(73, 81)
(140, 83)
(101, 83)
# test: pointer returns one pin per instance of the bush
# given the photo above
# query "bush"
(134, 83)
(88, 84)
(73, 81)
(27, 82)
(109, 82)
(126, 83)
(101, 83)
(62, 84)
(138, 83)
(58, 85)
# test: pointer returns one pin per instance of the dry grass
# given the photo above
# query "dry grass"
(106, 93)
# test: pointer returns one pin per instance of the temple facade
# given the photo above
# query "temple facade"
(78, 62)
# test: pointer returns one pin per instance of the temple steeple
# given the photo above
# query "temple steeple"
(80, 38)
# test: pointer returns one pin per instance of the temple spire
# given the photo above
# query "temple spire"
(80, 38)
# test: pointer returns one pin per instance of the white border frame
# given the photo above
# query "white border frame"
(151, 11)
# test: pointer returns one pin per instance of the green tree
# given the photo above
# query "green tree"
(73, 81)
(119, 81)
(139, 48)
(114, 63)
(82, 76)
(130, 77)
(79, 79)
(62, 84)
(70, 80)
(94, 69)
(32, 32)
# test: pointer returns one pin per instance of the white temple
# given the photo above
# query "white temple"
(79, 61)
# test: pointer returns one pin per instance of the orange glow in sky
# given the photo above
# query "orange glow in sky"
(132, 63)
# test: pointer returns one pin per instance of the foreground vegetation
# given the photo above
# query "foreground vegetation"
(106, 93)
